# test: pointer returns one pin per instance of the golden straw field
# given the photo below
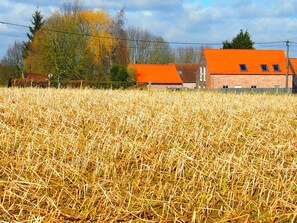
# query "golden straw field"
(71, 155)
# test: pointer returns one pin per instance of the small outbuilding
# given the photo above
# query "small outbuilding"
(157, 76)
(188, 74)
(35, 76)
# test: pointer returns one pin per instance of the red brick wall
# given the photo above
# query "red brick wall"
(246, 81)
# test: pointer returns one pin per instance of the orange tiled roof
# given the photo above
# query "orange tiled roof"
(156, 73)
(227, 61)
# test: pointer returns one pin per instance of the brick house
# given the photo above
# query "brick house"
(188, 74)
(157, 76)
(242, 68)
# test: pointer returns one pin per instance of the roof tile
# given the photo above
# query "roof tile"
(228, 61)
(189, 72)
(156, 73)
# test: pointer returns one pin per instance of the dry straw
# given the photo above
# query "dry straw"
(142, 156)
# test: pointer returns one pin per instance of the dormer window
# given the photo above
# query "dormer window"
(264, 67)
(180, 72)
(243, 67)
(276, 67)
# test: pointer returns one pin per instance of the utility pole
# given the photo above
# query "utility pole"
(287, 67)
(136, 52)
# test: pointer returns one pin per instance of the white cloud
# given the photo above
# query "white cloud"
(178, 20)
(147, 13)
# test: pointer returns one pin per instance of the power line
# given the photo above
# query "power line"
(13, 24)
(264, 43)
(143, 41)
(105, 37)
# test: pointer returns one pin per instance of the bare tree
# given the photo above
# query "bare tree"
(147, 48)
(188, 55)
(120, 52)
(14, 57)
(72, 7)
(161, 52)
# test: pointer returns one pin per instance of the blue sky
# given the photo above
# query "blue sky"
(270, 23)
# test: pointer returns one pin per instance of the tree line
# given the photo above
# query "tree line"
(78, 44)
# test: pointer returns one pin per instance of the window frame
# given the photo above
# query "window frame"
(243, 67)
(202, 73)
(266, 68)
(276, 67)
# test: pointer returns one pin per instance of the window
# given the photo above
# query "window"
(243, 67)
(253, 86)
(264, 67)
(202, 73)
(180, 72)
(276, 67)
(225, 86)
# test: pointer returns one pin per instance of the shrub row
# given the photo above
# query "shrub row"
(71, 84)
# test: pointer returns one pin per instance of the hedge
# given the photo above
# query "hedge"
(71, 84)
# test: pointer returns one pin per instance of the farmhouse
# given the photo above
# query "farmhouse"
(34, 76)
(29, 79)
(242, 68)
(188, 73)
(157, 76)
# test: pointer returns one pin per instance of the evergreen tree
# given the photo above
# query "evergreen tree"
(241, 41)
(119, 73)
(37, 21)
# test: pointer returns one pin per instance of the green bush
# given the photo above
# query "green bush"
(119, 73)
(7, 73)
